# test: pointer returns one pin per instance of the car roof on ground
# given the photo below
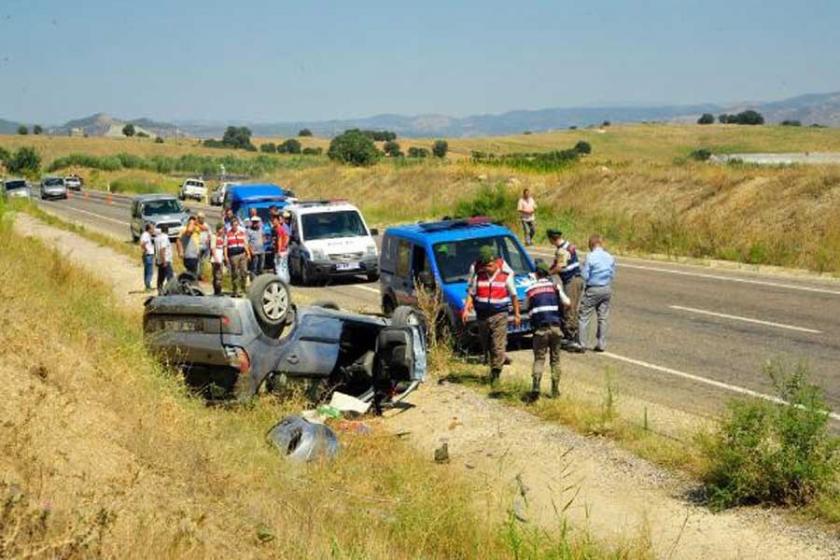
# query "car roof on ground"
(447, 231)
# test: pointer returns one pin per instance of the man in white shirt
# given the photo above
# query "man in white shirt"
(147, 250)
(163, 257)
(527, 208)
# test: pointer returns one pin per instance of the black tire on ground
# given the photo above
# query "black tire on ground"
(305, 276)
(405, 316)
(326, 304)
(271, 300)
(373, 276)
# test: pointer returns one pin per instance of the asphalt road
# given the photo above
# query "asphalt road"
(690, 337)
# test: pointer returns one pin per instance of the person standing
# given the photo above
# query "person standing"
(187, 246)
(217, 258)
(147, 249)
(281, 248)
(204, 242)
(490, 292)
(566, 269)
(236, 255)
(256, 241)
(227, 218)
(163, 257)
(544, 299)
(598, 274)
(527, 208)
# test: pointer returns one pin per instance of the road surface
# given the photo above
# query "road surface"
(688, 337)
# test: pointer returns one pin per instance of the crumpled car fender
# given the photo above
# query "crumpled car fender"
(301, 440)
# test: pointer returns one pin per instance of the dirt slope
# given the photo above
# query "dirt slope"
(617, 495)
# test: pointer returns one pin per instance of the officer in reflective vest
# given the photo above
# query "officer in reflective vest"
(543, 300)
(491, 292)
(566, 268)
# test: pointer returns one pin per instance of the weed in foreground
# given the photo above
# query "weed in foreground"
(773, 453)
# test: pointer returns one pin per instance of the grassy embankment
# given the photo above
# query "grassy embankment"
(105, 453)
(638, 188)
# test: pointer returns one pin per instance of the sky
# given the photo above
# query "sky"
(261, 61)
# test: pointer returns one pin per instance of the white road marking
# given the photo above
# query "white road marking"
(745, 319)
(704, 380)
(366, 288)
(65, 207)
(719, 277)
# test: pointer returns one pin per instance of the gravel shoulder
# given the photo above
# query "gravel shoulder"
(531, 467)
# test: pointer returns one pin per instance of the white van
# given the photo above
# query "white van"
(330, 239)
(193, 188)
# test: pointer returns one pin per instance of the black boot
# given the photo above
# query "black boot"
(494, 377)
(555, 388)
(534, 395)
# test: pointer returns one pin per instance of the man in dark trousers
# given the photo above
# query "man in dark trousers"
(566, 269)
(546, 301)
(490, 293)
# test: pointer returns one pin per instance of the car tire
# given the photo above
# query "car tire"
(326, 304)
(305, 275)
(407, 316)
(272, 301)
(373, 276)
(388, 306)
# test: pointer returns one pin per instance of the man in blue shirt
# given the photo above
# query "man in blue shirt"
(598, 273)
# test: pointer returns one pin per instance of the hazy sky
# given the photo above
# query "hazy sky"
(276, 60)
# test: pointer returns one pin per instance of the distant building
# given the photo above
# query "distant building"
(77, 131)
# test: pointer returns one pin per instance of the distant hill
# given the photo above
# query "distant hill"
(8, 127)
(102, 124)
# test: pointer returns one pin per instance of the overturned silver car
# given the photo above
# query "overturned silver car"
(235, 346)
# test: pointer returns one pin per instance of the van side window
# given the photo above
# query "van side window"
(419, 262)
(403, 259)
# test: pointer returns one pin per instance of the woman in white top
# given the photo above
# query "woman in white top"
(527, 208)
(147, 249)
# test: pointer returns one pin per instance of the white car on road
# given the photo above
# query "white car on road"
(193, 188)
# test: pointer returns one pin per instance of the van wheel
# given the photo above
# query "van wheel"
(406, 316)
(271, 301)
(305, 275)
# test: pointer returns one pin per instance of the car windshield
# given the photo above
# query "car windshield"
(263, 213)
(11, 185)
(165, 206)
(330, 225)
(53, 182)
(454, 258)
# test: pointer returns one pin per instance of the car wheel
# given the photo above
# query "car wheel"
(406, 316)
(305, 274)
(326, 304)
(373, 276)
(272, 301)
(388, 306)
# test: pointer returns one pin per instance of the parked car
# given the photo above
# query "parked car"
(232, 346)
(73, 182)
(217, 197)
(439, 255)
(193, 188)
(53, 187)
(160, 210)
(261, 197)
(16, 188)
(330, 239)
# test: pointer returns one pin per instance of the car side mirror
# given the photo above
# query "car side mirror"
(374, 231)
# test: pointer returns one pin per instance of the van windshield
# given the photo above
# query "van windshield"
(330, 225)
(454, 258)
(11, 185)
(165, 206)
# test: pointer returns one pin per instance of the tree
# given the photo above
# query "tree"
(706, 118)
(25, 161)
(583, 147)
(22, 130)
(158, 140)
(439, 148)
(354, 148)
(308, 151)
(415, 152)
(37, 129)
(128, 130)
(750, 117)
(392, 149)
(290, 146)
(723, 118)
(605, 124)
(236, 137)
(305, 132)
(268, 148)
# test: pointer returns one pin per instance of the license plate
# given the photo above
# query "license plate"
(181, 326)
(347, 266)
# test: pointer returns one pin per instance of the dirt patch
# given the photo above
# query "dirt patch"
(540, 471)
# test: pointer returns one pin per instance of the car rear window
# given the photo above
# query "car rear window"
(11, 185)
(53, 182)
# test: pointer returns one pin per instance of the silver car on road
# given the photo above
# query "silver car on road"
(53, 187)
(162, 210)
(16, 188)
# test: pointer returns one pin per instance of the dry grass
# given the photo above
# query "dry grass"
(105, 454)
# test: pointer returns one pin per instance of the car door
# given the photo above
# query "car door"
(402, 284)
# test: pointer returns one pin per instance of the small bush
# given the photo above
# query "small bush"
(24, 161)
(128, 130)
(290, 146)
(392, 149)
(305, 132)
(439, 148)
(706, 118)
(159, 140)
(791, 123)
(142, 134)
(22, 130)
(701, 154)
(37, 129)
(773, 453)
(354, 148)
(4, 155)
(583, 147)
(415, 152)
(308, 151)
(493, 201)
(268, 148)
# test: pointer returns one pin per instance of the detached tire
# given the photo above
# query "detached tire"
(406, 316)
(271, 300)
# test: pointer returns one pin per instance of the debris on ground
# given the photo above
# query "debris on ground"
(347, 403)
(442, 453)
(301, 440)
(328, 411)
(354, 427)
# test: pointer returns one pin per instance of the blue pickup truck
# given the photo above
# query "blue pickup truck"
(242, 198)
(439, 254)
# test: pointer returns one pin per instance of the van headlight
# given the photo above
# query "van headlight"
(318, 254)
(371, 250)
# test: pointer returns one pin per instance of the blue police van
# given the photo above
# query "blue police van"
(242, 198)
(439, 254)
